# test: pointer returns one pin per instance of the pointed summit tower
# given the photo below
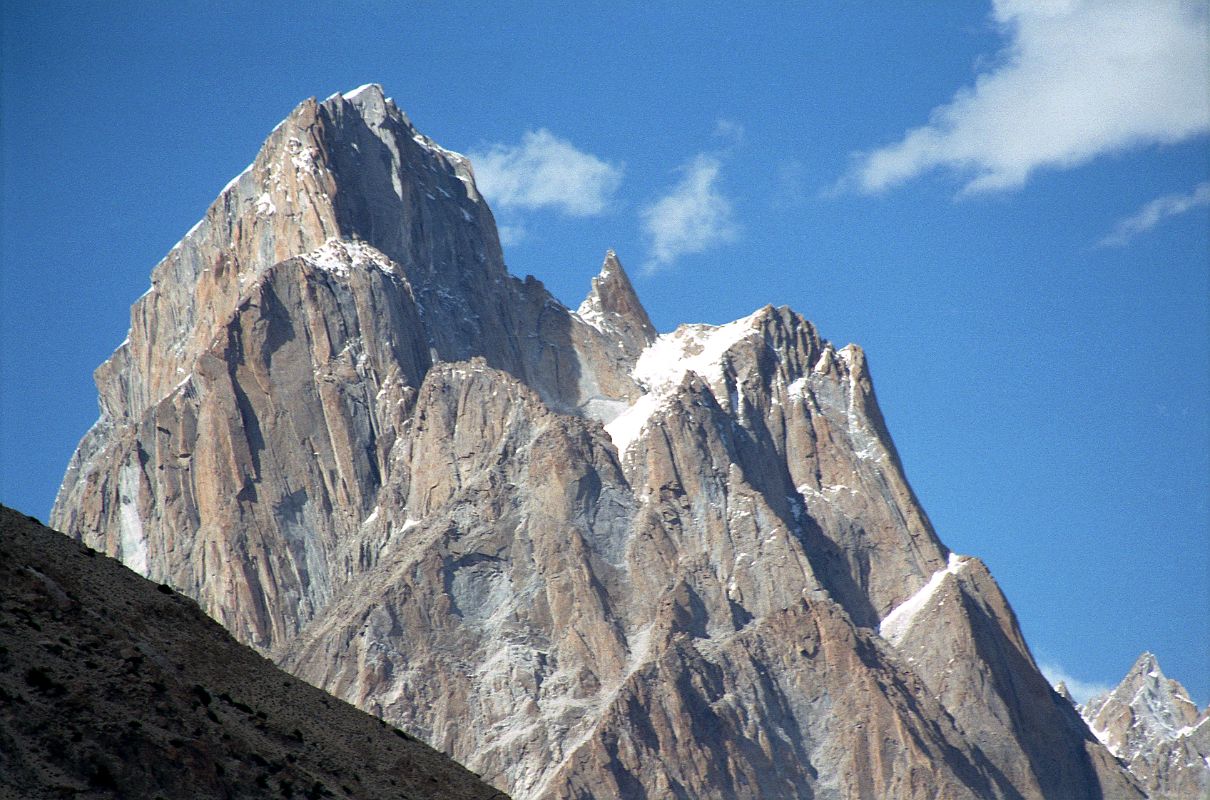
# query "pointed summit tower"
(613, 306)
(1150, 723)
(1145, 707)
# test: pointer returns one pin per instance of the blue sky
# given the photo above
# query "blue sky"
(1007, 206)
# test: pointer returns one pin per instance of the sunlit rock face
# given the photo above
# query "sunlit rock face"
(587, 560)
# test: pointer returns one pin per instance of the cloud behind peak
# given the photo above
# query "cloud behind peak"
(545, 171)
(692, 217)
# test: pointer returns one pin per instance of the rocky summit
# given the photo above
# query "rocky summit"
(1150, 723)
(585, 559)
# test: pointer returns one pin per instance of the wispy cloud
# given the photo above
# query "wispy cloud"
(1077, 79)
(693, 217)
(1156, 211)
(730, 131)
(544, 171)
(510, 233)
(1081, 690)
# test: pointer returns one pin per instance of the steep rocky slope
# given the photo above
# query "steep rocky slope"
(587, 560)
(111, 686)
(1149, 722)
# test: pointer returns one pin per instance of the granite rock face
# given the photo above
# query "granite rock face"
(113, 687)
(246, 420)
(587, 560)
(1150, 723)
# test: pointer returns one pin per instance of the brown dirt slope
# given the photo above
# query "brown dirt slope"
(112, 686)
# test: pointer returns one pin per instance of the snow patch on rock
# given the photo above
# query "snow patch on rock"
(898, 622)
(339, 257)
(590, 313)
(690, 348)
(663, 365)
(265, 206)
(132, 538)
(364, 87)
(626, 427)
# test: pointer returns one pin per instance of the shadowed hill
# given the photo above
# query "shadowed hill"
(112, 686)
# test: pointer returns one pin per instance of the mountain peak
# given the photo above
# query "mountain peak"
(1145, 664)
(373, 105)
(1147, 713)
(366, 94)
(1146, 678)
(613, 305)
(1150, 693)
(369, 90)
(428, 486)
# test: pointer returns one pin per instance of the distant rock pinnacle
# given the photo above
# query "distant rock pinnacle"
(613, 307)
(1150, 723)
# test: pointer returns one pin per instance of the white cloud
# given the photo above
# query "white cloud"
(1156, 211)
(691, 218)
(729, 130)
(510, 234)
(1078, 78)
(544, 171)
(1082, 691)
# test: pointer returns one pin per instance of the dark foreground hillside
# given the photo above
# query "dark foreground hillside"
(112, 686)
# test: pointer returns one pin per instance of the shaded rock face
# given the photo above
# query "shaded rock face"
(111, 686)
(1150, 723)
(587, 560)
